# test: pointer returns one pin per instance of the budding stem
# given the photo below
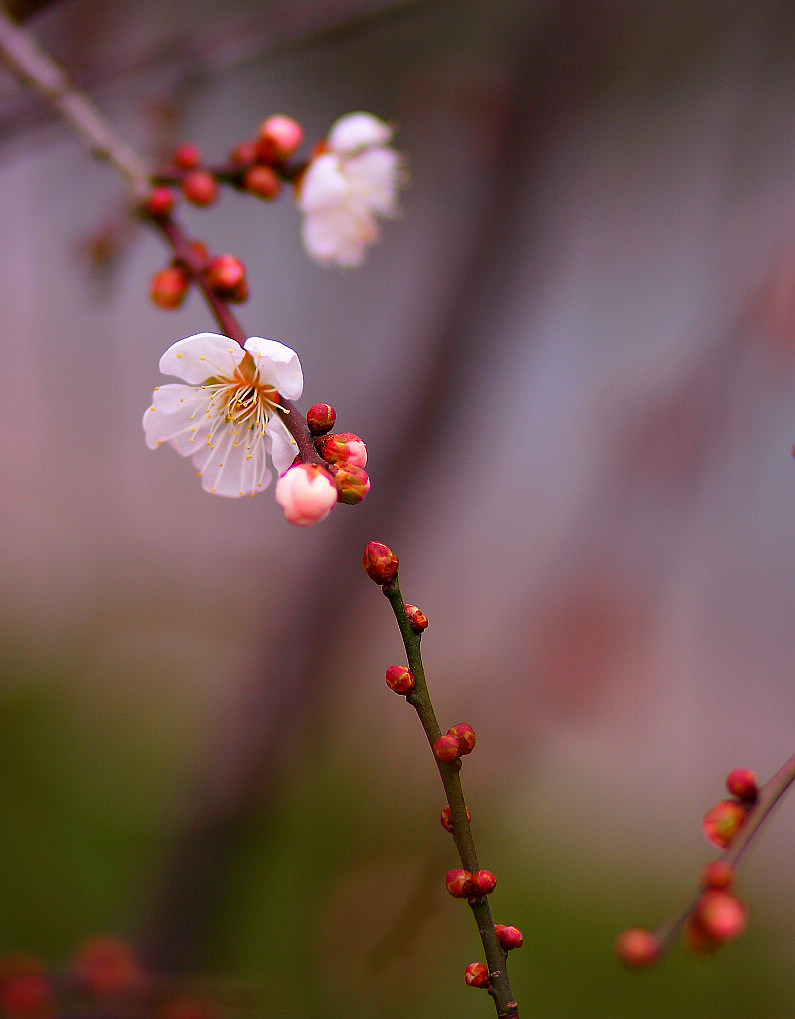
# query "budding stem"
(420, 700)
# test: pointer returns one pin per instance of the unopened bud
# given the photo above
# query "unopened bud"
(417, 620)
(638, 948)
(321, 418)
(343, 447)
(244, 154)
(483, 882)
(446, 818)
(509, 937)
(400, 679)
(200, 187)
(477, 975)
(718, 874)
(226, 276)
(742, 783)
(352, 483)
(459, 883)
(160, 202)
(380, 563)
(723, 821)
(279, 138)
(170, 287)
(262, 181)
(188, 157)
(447, 748)
(720, 915)
(465, 735)
(306, 494)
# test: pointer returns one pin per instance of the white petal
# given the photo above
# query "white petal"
(340, 237)
(357, 131)
(176, 415)
(323, 184)
(234, 465)
(278, 365)
(281, 445)
(202, 356)
(373, 177)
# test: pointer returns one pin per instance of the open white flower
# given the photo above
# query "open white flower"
(229, 416)
(346, 186)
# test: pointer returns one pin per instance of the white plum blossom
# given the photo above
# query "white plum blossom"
(229, 417)
(353, 179)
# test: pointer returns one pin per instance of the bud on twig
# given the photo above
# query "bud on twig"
(638, 948)
(170, 287)
(380, 563)
(226, 276)
(477, 975)
(723, 821)
(200, 187)
(352, 483)
(483, 882)
(418, 621)
(447, 818)
(509, 937)
(400, 679)
(459, 883)
(742, 783)
(321, 418)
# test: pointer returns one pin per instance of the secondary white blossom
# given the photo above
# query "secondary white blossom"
(353, 180)
(229, 416)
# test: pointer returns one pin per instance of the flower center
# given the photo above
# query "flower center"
(243, 401)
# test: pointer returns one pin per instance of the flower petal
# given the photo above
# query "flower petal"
(176, 415)
(373, 177)
(323, 184)
(277, 365)
(234, 464)
(281, 445)
(357, 131)
(202, 356)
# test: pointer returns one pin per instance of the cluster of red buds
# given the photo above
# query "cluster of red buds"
(462, 884)
(457, 742)
(105, 976)
(344, 452)
(224, 275)
(477, 973)
(717, 916)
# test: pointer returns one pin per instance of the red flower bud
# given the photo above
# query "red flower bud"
(279, 138)
(465, 735)
(226, 275)
(380, 562)
(718, 874)
(720, 915)
(244, 154)
(509, 937)
(352, 483)
(459, 883)
(170, 287)
(107, 966)
(447, 748)
(262, 181)
(188, 157)
(321, 418)
(447, 818)
(200, 187)
(400, 679)
(343, 448)
(483, 882)
(742, 783)
(418, 621)
(160, 202)
(723, 821)
(637, 948)
(477, 975)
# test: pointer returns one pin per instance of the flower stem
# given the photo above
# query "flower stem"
(420, 700)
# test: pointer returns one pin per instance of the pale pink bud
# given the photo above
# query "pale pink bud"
(279, 138)
(306, 494)
(720, 915)
(343, 447)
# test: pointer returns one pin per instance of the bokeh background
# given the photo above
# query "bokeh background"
(572, 360)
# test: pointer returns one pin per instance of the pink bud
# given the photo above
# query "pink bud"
(352, 483)
(723, 821)
(720, 915)
(188, 157)
(447, 748)
(170, 287)
(742, 783)
(279, 138)
(200, 187)
(483, 882)
(417, 620)
(477, 975)
(343, 447)
(638, 948)
(509, 937)
(321, 418)
(400, 679)
(380, 562)
(447, 818)
(226, 275)
(262, 181)
(160, 202)
(459, 883)
(306, 494)
(718, 874)
(465, 735)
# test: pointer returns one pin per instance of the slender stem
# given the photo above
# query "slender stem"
(420, 700)
(30, 63)
(769, 795)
